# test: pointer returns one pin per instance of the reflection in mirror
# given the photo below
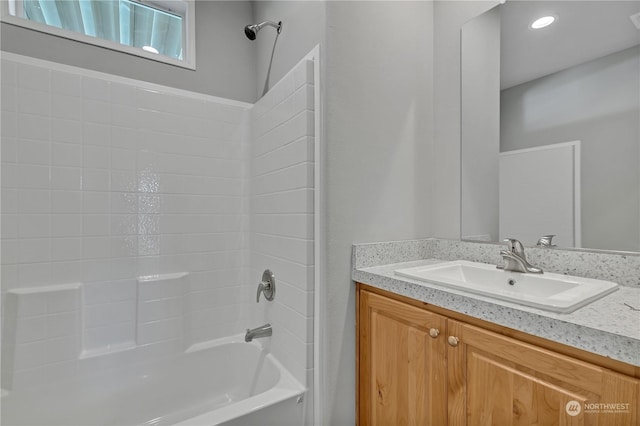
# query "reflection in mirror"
(551, 124)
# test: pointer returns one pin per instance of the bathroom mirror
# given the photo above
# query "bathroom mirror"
(551, 124)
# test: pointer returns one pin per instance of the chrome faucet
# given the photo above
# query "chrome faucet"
(262, 331)
(267, 286)
(545, 241)
(514, 258)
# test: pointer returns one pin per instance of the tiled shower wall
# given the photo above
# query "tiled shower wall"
(282, 215)
(123, 220)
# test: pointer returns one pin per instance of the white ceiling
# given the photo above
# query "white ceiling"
(584, 30)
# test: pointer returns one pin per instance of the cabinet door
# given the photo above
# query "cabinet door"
(496, 380)
(401, 364)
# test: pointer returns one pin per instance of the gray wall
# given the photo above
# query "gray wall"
(225, 58)
(480, 83)
(379, 131)
(445, 180)
(598, 103)
(303, 27)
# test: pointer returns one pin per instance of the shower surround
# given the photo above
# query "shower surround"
(137, 219)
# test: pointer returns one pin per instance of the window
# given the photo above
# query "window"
(162, 30)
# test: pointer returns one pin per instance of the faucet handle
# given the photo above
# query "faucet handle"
(267, 286)
(515, 246)
(545, 241)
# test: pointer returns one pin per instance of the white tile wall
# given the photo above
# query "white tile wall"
(282, 215)
(41, 330)
(160, 308)
(105, 180)
(118, 186)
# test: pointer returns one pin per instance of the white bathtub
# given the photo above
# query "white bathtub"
(230, 382)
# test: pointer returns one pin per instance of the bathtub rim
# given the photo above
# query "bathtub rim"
(286, 388)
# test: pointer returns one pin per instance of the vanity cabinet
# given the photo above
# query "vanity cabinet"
(498, 380)
(402, 364)
(419, 367)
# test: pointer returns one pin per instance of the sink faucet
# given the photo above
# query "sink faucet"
(545, 241)
(262, 331)
(514, 258)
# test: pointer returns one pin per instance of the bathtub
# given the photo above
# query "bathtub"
(226, 382)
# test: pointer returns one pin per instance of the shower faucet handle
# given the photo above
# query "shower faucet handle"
(267, 286)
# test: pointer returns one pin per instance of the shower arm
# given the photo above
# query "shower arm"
(277, 26)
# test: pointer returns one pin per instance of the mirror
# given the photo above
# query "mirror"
(551, 124)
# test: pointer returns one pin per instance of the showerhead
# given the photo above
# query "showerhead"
(251, 31)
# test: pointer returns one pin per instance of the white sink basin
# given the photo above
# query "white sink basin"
(549, 291)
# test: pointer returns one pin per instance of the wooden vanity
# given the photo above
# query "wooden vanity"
(419, 364)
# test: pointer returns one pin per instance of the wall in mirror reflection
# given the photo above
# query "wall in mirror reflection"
(596, 103)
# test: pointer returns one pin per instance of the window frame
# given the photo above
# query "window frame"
(185, 8)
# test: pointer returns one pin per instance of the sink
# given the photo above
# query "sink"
(548, 291)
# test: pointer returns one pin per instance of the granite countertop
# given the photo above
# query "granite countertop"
(607, 327)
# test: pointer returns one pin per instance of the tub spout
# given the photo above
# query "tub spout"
(262, 331)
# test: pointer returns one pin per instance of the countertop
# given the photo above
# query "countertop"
(607, 327)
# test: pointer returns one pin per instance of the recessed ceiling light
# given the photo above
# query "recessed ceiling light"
(150, 49)
(545, 21)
